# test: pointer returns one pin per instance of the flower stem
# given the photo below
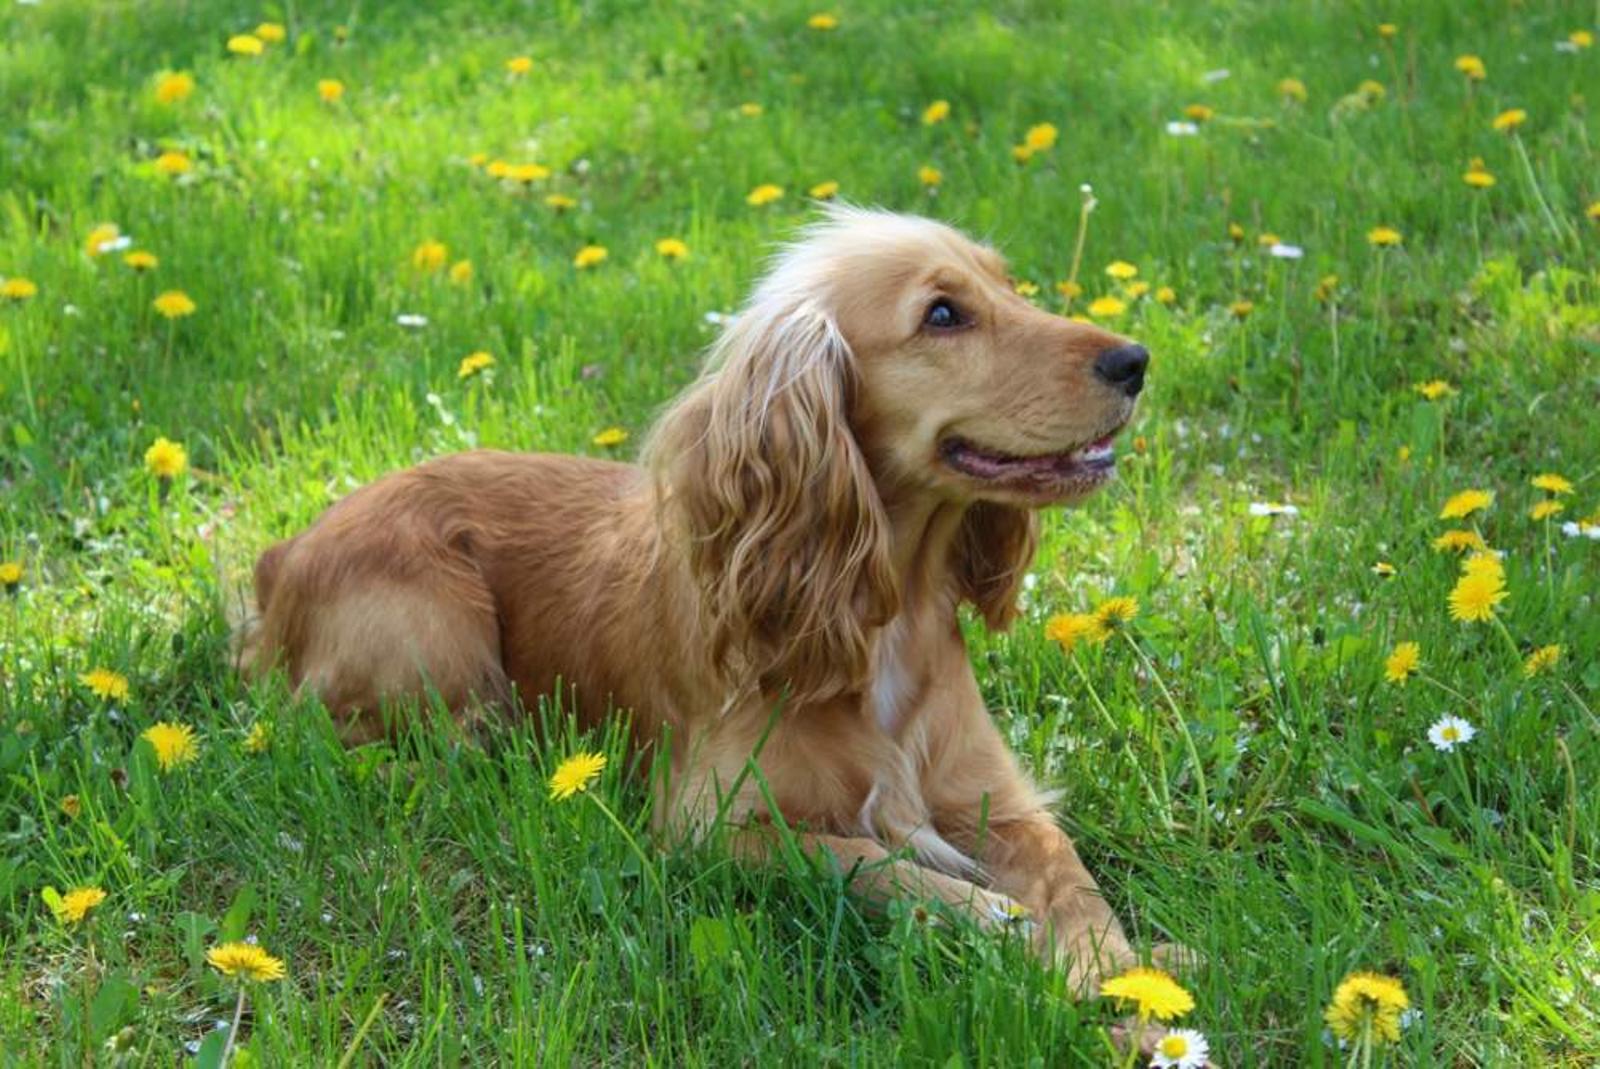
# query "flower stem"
(644, 861)
(1159, 799)
(233, 1030)
(1188, 739)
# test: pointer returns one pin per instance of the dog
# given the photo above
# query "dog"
(778, 581)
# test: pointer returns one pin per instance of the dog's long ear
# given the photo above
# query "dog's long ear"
(784, 531)
(992, 552)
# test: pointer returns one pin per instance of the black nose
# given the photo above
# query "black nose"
(1123, 367)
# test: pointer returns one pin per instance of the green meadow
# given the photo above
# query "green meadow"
(1367, 272)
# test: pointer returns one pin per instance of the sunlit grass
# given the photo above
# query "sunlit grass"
(1232, 760)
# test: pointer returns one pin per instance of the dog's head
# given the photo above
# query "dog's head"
(883, 356)
(962, 387)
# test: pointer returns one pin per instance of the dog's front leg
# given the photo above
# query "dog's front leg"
(1032, 860)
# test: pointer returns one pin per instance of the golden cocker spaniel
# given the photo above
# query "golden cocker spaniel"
(778, 580)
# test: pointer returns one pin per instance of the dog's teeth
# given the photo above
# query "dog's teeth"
(1094, 453)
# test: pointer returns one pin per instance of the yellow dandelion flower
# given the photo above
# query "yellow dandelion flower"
(823, 191)
(1434, 389)
(1134, 290)
(1242, 309)
(1478, 178)
(610, 436)
(1388, 30)
(1107, 307)
(1508, 121)
(271, 32)
(528, 172)
(590, 256)
(330, 90)
(750, 110)
(140, 260)
(174, 87)
(1384, 570)
(1383, 236)
(246, 44)
(431, 255)
(1069, 289)
(560, 202)
(478, 159)
(1539, 660)
(174, 744)
(497, 169)
(101, 239)
(165, 459)
(1292, 89)
(672, 249)
(1267, 238)
(823, 21)
(1121, 270)
(173, 163)
(1552, 483)
(75, 905)
(473, 363)
(1068, 629)
(575, 774)
(1459, 541)
(1402, 662)
(1155, 993)
(461, 272)
(245, 961)
(11, 573)
(1593, 211)
(763, 194)
(18, 289)
(259, 739)
(106, 684)
(1235, 233)
(936, 112)
(1475, 596)
(1466, 503)
(1545, 509)
(1486, 563)
(1198, 113)
(1472, 67)
(929, 176)
(1041, 137)
(1021, 153)
(1113, 613)
(1362, 997)
(1166, 295)
(72, 806)
(1024, 288)
(517, 66)
(1581, 39)
(174, 304)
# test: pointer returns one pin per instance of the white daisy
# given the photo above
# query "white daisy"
(1182, 129)
(411, 319)
(1272, 508)
(1448, 732)
(1574, 529)
(1181, 1048)
(1287, 252)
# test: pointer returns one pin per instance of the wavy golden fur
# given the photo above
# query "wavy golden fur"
(863, 453)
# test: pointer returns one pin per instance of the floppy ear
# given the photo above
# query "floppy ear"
(992, 552)
(785, 535)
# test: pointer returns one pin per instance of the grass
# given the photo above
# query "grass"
(431, 903)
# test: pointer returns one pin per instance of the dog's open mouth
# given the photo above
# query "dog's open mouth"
(1075, 470)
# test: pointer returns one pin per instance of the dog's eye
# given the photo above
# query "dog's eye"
(942, 315)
